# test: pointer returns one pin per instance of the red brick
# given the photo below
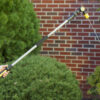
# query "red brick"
(50, 29)
(96, 26)
(88, 30)
(46, 9)
(80, 18)
(58, 1)
(82, 82)
(75, 22)
(70, 9)
(97, 13)
(85, 58)
(41, 13)
(37, 9)
(97, 30)
(48, 25)
(95, 58)
(83, 66)
(94, 50)
(88, 54)
(83, 26)
(88, 70)
(89, 62)
(87, 22)
(97, 54)
(65, 38)
(57, 18)
(46, 17)
(71, 65)
(42, 21)
(94, 1)
(89, 38)
(82, 1)
(64, 30)
(45, 33)
(98, 62)
(97, 5)
(71, 57)
(71, 26)
(43, 29)
(52, 5)
(93, 18)
(83, 34)
(70, 1)
(79, 77)
(75, 5)
(64, 5)
(93, 66)
(53, 37)
(52, 13)
(51, 21)
(82, 74)
(76, 61)
(77, 38)
(47, 1)
(58, 9)
(49, 41)
(71, 41)
(88, 5)
(44, 45)
(63, 13)
(65, 53)
(36, 1)
(77, 30)
(76, 69)
(60, 57)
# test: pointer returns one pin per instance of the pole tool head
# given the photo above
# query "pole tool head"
(83, 10)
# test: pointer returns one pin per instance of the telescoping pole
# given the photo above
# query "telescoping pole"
(81, 9)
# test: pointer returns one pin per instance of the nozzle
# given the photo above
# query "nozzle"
(86, 15)
(82, 9)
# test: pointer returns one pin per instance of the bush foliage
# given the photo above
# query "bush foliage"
(94, 82)
(40, 78)
(18, 28)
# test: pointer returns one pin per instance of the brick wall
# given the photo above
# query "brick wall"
(75, 43)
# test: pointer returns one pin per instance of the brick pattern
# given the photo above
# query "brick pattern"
(75, 43)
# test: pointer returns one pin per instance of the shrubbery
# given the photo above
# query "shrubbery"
(94, 82)
(19, 28)
(40, 78)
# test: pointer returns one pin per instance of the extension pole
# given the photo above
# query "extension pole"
(81, 9)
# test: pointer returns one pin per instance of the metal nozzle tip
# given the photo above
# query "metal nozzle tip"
(82, 9)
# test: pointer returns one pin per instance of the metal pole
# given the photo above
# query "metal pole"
(41, 41)
(81, 9)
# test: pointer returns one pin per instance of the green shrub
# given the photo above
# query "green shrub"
(94, 82)
(40, 78)
(18, 28)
